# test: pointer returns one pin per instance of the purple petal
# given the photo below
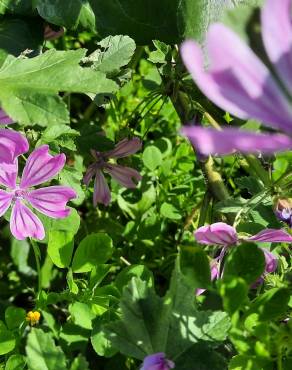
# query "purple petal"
(277, 37)
(12, 144)
(123, 175)
(5, 201)
(271, 236)
(51, 200)
(4, 118)
(41, 167)
(218, 233)
(210, 141)
(157, 361)
(24, 223)
(125, 148)
(101, 193)
(237, 80)
(89, 174)
(8, 178)
(271, 261)
(50, 34)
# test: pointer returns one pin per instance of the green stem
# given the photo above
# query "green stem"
(204, 208)
(279, 359)
(38, 265)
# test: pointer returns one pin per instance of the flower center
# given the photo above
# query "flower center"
(20, 194)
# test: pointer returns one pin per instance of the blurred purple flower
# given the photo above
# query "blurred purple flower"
(239, 82)
(220, 233)
(157, 361)
(271, 261)
(51, 34)
(4, 118)
(51, 201)
(123, 175)
(283, 211)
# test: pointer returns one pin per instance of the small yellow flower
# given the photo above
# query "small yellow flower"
(33, 317)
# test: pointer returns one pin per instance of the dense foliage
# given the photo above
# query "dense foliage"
(93, 98)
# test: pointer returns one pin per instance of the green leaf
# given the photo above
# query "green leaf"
(19, 254)
(270, 305)
(17, 35)
(195, 267)
(94, 249)
(152, 157)
(15, 362)
(67, 14)
(152, 324)
(100, 343)
(29, 87)
(79, 363)
(70, 223)
(14, 317)
(114, 53)
(242, 362)
(169, 211)
(16, 6)
(246, 261)
(138, 271)
(81, 315)
(60, 247)
(42, 353)
(64, 135)
(234, 292)
(7, 340)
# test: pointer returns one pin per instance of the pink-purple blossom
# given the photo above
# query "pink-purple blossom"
(51, 201)
(12, 144)
(223, 234)
(226, 236)
(4, 118)
(240, 83)
(157, 361)
(126, 176)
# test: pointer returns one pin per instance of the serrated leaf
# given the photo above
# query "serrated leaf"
(115, 52)
(42, 353)
(29, 87)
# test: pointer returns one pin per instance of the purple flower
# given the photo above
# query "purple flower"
(4, 118)
(220, 233)
(51, 201)
(157, 361)
(239, 82)
(123, 175)
(12, 144)
(283, 211)
(271, 261)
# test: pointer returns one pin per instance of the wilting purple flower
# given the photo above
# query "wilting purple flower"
(50, 34)
(271, 261)
(123, 175)
(157, 361)
(283, 210)
(51, 201)
(12, 144)
(220, 233)
(239, 82)
(215, 274)
(4, 118)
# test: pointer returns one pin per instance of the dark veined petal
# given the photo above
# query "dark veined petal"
(101, 192)
(51, 200)
(125, 148)
(123, 175)
(41, 167)
(24, 223)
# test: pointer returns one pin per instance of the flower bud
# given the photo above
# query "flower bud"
(283, 210)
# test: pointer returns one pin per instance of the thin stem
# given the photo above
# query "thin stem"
(38, 265)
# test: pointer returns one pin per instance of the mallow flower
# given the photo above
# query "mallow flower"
(240, 83)
(157, 361)
(51, 201)
(226, 236)
(123, 175)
